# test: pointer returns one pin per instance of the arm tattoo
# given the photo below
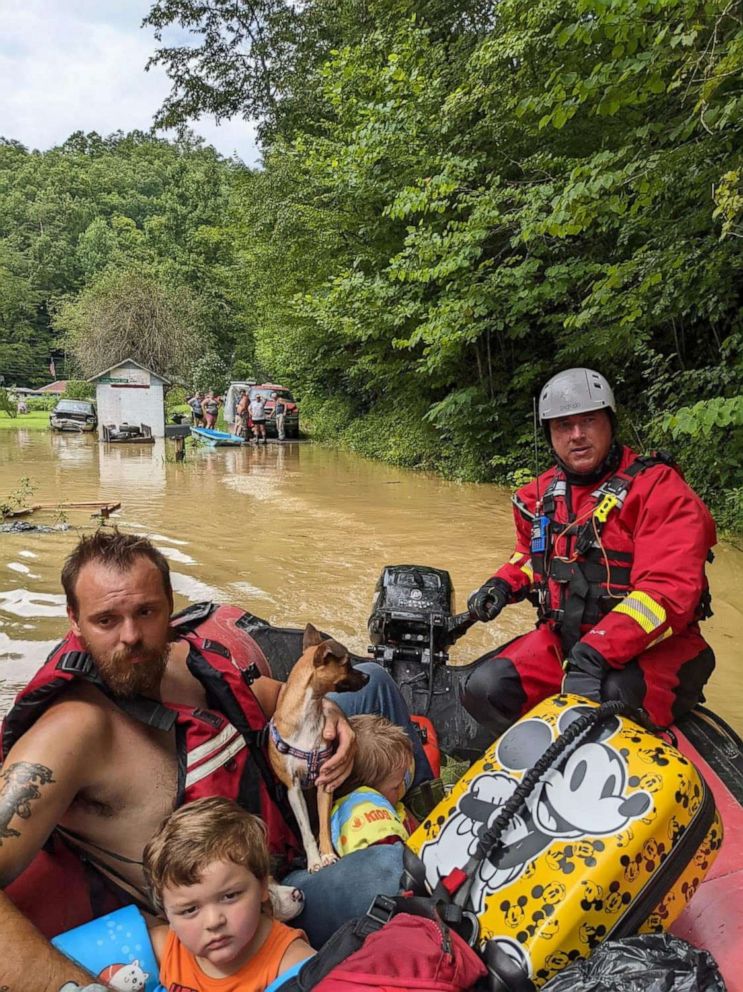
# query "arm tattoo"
(20, 784)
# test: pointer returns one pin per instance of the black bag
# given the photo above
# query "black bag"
(657, 962)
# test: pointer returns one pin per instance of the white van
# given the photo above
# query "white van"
(232, 396)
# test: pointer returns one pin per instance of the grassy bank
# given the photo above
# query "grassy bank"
(35, 420)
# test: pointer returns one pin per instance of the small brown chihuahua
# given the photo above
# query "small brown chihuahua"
(296, 747)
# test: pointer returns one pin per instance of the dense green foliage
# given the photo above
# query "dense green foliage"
(126, 314)
(79, 389)
(210, 373)
(97, 221)
(458, 201)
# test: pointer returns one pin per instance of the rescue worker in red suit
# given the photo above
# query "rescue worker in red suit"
(611, 548)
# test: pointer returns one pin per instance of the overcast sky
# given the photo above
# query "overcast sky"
(78, 65)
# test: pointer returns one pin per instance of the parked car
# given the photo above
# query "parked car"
(267, 391)
(232, 397)
(73, 415)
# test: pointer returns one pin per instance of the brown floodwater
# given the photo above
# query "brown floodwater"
(293, 533)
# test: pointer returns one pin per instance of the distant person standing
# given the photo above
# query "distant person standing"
(210, 407)
(280, 414)
(241, 415)
(195, 402)
(257, 410)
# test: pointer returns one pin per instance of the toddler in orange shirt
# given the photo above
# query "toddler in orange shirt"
(208, 871)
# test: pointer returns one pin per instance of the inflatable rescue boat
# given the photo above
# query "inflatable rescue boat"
(414, 651)
(603, 828)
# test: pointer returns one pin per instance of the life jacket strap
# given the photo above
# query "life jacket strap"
(147, 711)
(582, 580)
(79, 663)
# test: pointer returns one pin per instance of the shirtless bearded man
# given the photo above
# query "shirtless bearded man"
(89, 765)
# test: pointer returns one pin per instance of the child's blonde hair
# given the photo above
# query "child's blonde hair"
(381, 747)
(199, 833)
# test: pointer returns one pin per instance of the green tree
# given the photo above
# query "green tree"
(117, 203)
(209, 372)
(127, 315)
(474, 211)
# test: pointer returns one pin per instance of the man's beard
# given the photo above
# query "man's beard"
(126, 678)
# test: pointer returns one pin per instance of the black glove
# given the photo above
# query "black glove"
(585, 669)
(487, 601)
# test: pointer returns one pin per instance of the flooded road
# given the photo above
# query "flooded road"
(292, 533)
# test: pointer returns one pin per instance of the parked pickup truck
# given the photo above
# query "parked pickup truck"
(267, 391)
(73, 415)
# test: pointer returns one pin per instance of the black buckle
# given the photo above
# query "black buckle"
(556, 616)
(586, 537)
(216, 647)
(615, 487)
(79, 662)
(463, 921)
(382, 910)
(250, 674)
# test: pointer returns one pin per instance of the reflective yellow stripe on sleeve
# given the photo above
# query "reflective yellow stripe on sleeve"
(524, 562)
(644, 609)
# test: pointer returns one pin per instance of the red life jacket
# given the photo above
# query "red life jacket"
(583, 582)
(221, 751)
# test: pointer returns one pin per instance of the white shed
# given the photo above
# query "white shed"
(129, 393)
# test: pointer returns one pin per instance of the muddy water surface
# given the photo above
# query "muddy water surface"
(292, 533)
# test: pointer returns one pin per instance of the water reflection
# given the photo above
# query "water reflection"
(19, 659)
(75, 450)
(194, 589)
(128, 470)
(17, 566)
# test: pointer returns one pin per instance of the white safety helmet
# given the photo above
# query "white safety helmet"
(575, 391)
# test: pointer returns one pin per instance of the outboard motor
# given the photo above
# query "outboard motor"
(412, 615)
(411, 629)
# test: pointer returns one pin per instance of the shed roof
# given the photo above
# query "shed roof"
(54, 387)
(129, 361)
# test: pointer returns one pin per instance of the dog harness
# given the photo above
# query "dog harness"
(315, 759)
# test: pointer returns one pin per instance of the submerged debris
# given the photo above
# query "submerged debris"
(23, 527)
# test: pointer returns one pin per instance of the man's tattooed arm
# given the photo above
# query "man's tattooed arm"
(43, 772)
(29, 963)
(20, 784)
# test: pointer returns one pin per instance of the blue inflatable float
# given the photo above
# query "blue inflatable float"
(116, 949)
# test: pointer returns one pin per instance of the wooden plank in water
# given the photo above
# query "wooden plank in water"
(104, 507)
(75, 505)
(107, 510)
